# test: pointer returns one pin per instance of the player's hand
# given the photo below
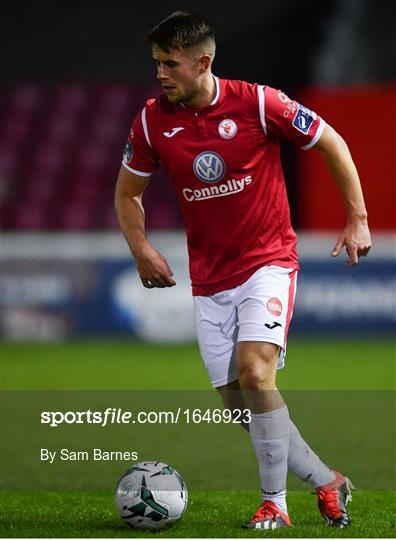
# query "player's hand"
(154, 270)
(357, 241)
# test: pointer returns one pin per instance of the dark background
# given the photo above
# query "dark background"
(47, 49)
(281, 42)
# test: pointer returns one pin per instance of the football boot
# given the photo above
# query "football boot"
(268, 517)
(333, 499)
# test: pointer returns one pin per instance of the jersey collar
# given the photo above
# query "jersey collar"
(216, 98)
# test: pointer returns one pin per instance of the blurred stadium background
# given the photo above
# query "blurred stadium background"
(72, 80)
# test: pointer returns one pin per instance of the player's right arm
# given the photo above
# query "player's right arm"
(138, 163)
(153, 268)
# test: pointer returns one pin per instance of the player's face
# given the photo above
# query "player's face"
(178, 72)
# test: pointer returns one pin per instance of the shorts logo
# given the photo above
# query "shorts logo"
(303, 119)
(227, 129)
(128, 151)
(273, 325)
(274, 306)
(209, 167)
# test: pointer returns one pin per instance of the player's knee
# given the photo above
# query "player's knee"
(257, 365)
(255, 375)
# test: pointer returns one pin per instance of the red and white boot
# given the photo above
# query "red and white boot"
(268, 517)
(333, 499)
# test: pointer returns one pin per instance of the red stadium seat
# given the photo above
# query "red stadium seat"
(84, 188)
(60, 153)
(71, 98)
(27, 97)
(16, 126)
(9, 159)
(50, 157)
(62, 128)
(91, 158)
(29, 215)
(115, 98)
(76, 216)
(109, 219)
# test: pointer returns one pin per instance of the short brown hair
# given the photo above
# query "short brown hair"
(180, 31)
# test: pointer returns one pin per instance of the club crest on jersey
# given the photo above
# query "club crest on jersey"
(128, 151)
(303, 119)
(209, 167)
(227, 128)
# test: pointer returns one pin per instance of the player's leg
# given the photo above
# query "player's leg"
(232, 397)
(264, 307)
(217, 335)
(216, 324)
(215, 320)
(264, 312)
(302, 460)
(269, 428)
(330, 485)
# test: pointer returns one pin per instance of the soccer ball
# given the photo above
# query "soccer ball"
(151, 495)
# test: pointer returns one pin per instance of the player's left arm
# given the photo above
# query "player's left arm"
(356, 234)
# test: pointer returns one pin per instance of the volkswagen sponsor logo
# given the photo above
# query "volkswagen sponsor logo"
(209, 167)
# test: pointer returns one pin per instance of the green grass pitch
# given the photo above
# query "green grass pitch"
(333, 365)
(209, 514)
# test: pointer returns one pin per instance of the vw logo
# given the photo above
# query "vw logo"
(209, 167)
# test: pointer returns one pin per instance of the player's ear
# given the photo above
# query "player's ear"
(204, 63)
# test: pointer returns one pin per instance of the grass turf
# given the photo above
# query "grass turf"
(125, 365)
(209, 514)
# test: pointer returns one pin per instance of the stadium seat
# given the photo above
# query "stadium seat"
(38, 188)
(50, 157)
(16, 127)
(29, 215)
(76, 216)
(27, 97)
(70, 99)
(115, 98)
(62, 128)
(60, 152)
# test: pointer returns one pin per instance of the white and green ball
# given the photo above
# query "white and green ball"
(150, 495)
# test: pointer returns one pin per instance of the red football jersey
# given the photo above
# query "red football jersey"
(225, 163)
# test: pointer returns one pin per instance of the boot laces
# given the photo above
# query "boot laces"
(329, 502)
(266, 511)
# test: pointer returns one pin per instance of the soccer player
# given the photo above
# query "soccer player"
(219, 141)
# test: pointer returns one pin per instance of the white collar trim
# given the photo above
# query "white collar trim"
(216, 98)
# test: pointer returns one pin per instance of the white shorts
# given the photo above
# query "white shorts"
(258, 310)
